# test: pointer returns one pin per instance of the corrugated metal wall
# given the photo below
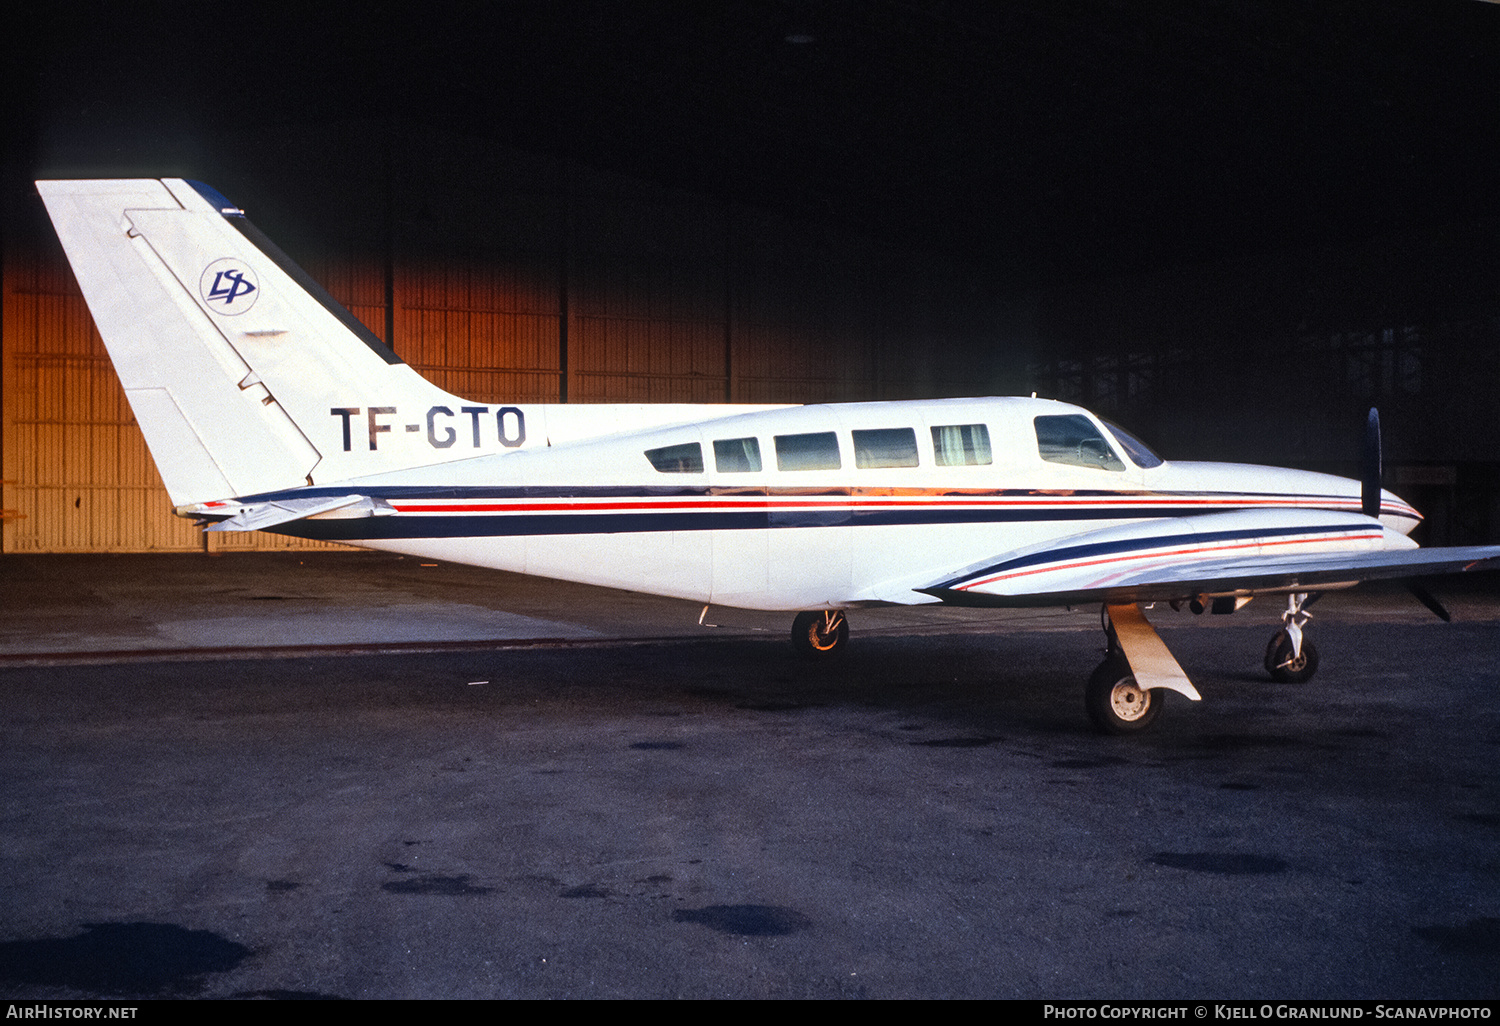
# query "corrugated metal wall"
(78, 477)
(77, 474)
(571, 285)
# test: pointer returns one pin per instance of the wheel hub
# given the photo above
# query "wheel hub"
(824, 633)
(1129, 701)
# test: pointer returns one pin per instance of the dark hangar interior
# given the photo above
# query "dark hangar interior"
(1231, 227)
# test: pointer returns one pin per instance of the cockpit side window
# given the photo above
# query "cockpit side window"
(686, 458)
(1072, 439)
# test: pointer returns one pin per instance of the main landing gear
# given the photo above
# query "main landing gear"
(1127, 692)
(1115, 702)
(1291, 658)
(820, 634)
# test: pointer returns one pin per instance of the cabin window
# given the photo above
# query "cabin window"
(737, 455)
(816, 451)
(686, 458)
(885, 447)
(1074, 440)
(961, 445)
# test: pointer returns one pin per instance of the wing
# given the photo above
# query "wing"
(1179, 558)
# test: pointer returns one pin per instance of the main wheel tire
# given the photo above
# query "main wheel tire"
(1282, 667)
(1116, 704)
(814, 638)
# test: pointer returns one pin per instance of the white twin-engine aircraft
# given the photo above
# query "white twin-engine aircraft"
(267, 406)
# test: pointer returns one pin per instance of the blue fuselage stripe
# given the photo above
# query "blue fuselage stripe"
(458, 525)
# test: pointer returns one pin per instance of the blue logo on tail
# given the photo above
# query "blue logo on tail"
(228, 286)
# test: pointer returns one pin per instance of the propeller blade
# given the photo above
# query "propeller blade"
(1369, 492)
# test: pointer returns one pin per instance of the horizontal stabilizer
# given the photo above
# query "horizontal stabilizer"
(262, 515)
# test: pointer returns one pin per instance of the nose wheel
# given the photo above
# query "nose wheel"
(1285, 664)
(1291, 658)
(820, 634)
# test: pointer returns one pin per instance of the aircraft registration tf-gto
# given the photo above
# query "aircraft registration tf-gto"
(267, 406)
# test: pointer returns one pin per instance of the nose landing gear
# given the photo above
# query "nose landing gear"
(1291, 658)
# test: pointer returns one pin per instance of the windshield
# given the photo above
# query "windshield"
(1139, 454)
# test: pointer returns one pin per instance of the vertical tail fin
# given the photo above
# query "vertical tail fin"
(243, 374)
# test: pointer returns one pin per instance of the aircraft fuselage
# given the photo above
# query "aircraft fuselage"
(821, 506)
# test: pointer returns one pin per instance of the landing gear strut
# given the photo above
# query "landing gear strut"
(1291, 658)
(821, 634)
(1116, 703)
